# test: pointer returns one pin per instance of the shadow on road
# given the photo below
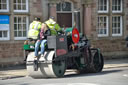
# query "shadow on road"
(92, 74)
(16, 67)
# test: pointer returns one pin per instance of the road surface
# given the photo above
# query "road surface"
(109, 76)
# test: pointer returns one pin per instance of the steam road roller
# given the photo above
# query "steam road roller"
(71, 50)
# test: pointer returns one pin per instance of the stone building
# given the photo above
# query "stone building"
(103, 21)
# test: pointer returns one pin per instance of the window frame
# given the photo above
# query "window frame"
(121, 26)
(120, 6)
(61, 9)
(5, 10)
(27, 9)
(27, 25)
(103, 11)
(107, 26)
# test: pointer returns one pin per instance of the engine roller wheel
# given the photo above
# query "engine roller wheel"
(98, 63)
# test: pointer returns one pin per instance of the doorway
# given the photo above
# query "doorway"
(65, 14)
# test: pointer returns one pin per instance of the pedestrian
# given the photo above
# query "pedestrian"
(42, 39)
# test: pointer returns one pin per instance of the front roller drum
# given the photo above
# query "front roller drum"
(96, 64)
(47, 66)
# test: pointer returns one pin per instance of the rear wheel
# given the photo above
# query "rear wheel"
(59, 67)
(48, 66)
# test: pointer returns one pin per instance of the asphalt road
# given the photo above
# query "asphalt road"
(109, 76)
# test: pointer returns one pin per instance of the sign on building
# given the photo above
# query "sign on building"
(4, 27)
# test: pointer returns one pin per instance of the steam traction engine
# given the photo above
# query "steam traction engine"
(68, 51)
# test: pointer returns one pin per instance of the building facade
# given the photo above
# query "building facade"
(103, 21)
(15, 16)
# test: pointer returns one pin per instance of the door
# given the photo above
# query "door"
(64, 19)
(64, 14)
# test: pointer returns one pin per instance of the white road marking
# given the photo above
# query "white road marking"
(125, 75)
(82, 84)
(72, 84)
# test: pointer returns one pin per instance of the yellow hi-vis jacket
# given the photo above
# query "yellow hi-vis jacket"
(53, 26)
(34, 28)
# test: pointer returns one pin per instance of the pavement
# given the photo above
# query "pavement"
(20, 71)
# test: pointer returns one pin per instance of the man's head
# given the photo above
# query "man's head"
(37, 19)
(51, 20)
(51, 17)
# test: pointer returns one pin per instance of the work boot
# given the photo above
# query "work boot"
(35, 57)
(42, 55)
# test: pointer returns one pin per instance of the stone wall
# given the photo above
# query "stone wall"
(11, 53)
(111, 48)
(35, 9)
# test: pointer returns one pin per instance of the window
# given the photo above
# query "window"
(65, 6)
(20, 5)
(116, 6)
(4, 35)
(4, 5)
(4, 27)
(116, 25)
(103, 6)
(20, 27)
(102, 26)
(115, 14)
